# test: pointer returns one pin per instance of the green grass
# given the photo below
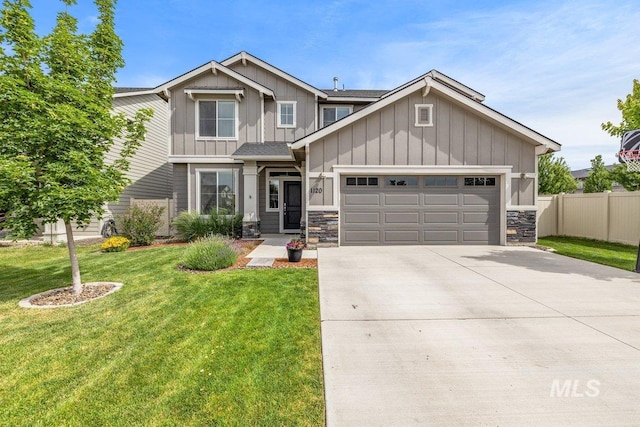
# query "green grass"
(171, 348)
(606, 253)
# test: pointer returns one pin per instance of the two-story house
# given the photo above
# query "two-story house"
(425, 163)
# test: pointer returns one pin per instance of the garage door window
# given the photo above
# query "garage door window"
(362, 181)
(440, 181)
(401, 181)
(478, 181)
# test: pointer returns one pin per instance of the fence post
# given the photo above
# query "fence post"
(560, 214)
(607, 214)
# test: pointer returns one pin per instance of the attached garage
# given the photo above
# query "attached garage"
(419, 210)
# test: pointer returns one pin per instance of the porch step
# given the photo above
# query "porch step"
(261, 262)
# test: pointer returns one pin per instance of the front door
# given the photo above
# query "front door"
(292, 206)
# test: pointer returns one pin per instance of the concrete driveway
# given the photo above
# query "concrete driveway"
(477, 336)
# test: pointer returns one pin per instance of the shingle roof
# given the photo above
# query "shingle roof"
(582, 173)
(355, 93)
(266, 149)
(130, 89)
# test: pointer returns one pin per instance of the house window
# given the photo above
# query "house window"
(440, 181)
(402, 181)
(274, 192)
(287, 114)
(218, 191)
(424, 115)
(216, 119)
(362, 181)
(333, 114)
(479, 181)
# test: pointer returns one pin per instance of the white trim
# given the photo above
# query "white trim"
(408, 89)
(236, 120)
(419, 107)
(316, 125)
(136, 93)
(244, 56)
(236, 178)
(522, 208)
(235, 92)
(214, 67)
(466, 90)
(420, 170)
(279, 114)
(189, 209)
(203, 159)
(352, 99)
(327, 106)
(279, 179)
(261, 114)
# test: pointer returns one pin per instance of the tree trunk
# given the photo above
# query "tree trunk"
(75, 267)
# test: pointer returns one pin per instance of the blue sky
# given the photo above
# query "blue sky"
(556, 66)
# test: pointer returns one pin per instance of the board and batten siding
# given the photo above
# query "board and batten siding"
(284, 91)
(150, 171)
(458, 137)
(183, 118)
(269, 221)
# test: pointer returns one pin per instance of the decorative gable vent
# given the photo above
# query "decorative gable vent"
(424, 115)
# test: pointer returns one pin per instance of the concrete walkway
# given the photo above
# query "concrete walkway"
(477, 336)
(274, 247)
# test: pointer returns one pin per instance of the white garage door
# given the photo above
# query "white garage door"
(416, 210)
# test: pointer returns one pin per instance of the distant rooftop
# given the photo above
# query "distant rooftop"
(582, 173)
(355, 93)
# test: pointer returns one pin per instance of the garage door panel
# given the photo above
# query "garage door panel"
(441, 200)
(361, 237)
(440, 237)
(401, 218)
(480, 199)
(402, 236)
(441, 217)
(376, 215)
(402, 199)
(361, 199)
(354, 218)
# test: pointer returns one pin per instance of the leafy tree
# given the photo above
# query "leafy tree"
(629, 180)
(56, 122)
(598, 178)
(630, 109)
(554, 176)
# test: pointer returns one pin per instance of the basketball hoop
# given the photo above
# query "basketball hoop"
(631, 158)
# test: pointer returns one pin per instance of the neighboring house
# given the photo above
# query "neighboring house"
(150, 170)
(581, 175)
(425, 163)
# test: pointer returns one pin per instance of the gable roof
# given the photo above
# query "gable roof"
(214, 67)
(245, 56)
(444, 85)
(122, 92)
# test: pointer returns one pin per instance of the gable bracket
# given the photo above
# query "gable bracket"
(427, 87)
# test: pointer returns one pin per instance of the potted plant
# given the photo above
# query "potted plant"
(294, 250)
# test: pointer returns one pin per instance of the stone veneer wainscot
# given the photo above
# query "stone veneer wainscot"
(322, 229)
(521, 227)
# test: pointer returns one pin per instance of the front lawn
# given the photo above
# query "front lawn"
(172, 348)
(606, 253)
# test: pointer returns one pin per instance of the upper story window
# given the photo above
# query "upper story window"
(332, 114)
(424, 115)
(286, 114)
(216, 119)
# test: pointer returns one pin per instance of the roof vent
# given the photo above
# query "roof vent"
(335, 84)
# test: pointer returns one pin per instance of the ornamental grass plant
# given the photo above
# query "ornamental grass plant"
(211, 253)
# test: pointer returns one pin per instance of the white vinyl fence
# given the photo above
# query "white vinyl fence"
(167, 214)
(613, 217)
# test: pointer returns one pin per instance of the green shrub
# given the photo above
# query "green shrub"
(191, 226)
(211, 253)
(140, 223)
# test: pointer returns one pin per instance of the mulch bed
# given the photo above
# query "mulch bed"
(65, 296)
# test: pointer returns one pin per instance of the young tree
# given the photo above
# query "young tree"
(598, 178)
(56, 122)
(630, 110)
(554, 176)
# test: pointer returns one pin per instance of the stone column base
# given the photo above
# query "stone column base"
(521, 227)
(322, 229)
(250, 229)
